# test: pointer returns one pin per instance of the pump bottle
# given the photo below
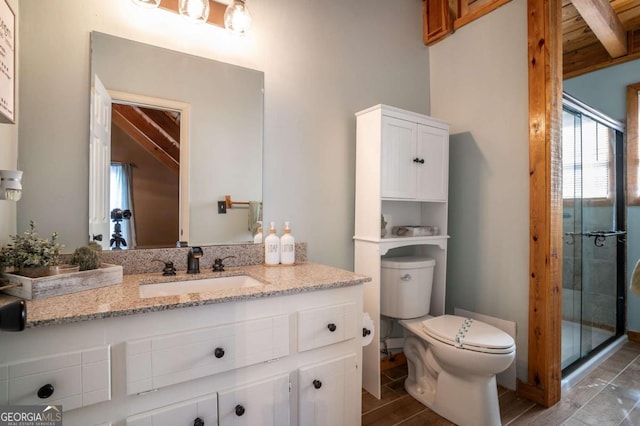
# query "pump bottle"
(272, 247)
(287, 247)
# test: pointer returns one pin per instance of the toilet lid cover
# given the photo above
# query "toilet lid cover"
(467, 333)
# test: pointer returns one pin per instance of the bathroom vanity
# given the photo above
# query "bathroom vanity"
(287, 351)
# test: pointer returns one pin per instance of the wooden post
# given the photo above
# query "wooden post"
(545, 162)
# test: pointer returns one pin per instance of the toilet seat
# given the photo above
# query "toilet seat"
(469, 334)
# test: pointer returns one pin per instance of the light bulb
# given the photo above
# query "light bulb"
(148, 4)
(10, 185)
(194, 10)
(237, 18)
(12, 194)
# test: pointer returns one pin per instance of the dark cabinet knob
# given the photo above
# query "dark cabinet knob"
(218, 353)
(317, 384)
(239, 410)
(95, 237)
(198, 422)
(332, 327)
(418, 160)
(365, 332)
(45, 391)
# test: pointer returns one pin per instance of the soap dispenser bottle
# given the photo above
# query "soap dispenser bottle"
(272, 247)
(257, 239)
(287, 246)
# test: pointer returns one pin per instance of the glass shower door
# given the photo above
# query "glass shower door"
(593, 226)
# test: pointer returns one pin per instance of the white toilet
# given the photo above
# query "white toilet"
(453, 361)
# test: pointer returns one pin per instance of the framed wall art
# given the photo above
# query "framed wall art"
(7, 63)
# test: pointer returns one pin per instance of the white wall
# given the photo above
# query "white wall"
(9, 154)
(606, 89)
(322, 61)
(479, 85)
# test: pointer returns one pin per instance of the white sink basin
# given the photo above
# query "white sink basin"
(197, 286)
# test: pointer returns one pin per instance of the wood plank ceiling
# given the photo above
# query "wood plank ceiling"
(595, 33)
(611, 35)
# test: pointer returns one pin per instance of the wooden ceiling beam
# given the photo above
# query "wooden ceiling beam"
(149, 145)
(605, 24)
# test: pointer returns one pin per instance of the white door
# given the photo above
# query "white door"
(326, 392)
(99, 164)
(432, 174)
(259, 404)
(398, 174)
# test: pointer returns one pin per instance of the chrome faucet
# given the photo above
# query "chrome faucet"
(193, 260)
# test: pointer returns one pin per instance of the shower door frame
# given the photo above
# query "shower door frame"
(620, 223)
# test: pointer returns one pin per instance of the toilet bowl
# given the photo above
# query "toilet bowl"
(453, 362)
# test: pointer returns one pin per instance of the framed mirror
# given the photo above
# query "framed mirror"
(185, 132)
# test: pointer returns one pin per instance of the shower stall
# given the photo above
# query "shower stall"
(594, 227)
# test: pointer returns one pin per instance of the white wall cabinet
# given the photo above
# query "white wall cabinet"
(402, 167)
(164, 369)
(413, 161)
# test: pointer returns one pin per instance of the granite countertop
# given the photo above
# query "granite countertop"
(124, 299)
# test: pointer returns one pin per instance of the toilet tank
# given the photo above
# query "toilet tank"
(405, 286)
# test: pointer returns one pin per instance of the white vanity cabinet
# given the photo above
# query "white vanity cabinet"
(199, 412)
(402, 166)
(257, 404)
(164, 360)
(73, 379)
(166, 370)
(324, 392)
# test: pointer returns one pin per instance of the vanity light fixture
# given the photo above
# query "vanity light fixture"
(237, 18)
(10, 185)
(194, 10)
(148, 4)
(233, 16)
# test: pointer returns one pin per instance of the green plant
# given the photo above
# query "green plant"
(383, 223)
(30, 251)
(86, 258)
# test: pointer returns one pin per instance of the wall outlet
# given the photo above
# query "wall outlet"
(222, 207)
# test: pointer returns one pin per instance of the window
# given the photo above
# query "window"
(121, 197)
(587, 151)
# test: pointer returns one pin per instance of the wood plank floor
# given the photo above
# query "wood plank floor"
(610, 395)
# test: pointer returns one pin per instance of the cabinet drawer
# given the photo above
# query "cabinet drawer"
(326, 325)
(259, 404)
(183, 414)
(326, 391)
(165, 360)
(73, 380)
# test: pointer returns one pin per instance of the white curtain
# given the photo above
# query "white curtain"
(121, 197)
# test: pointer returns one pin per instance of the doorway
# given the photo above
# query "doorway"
(594, 229)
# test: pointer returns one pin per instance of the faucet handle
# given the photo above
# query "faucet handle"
(218, 266)
(169, 269)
